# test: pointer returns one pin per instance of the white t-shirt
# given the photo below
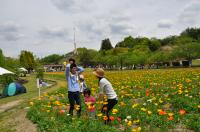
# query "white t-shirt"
(106, 87)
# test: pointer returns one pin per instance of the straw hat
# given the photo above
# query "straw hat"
(99, 72)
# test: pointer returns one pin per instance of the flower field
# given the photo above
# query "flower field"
(149, 100)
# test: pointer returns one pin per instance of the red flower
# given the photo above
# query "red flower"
(147, 92)
(182, 111)
(112, 118)
(162, 112)
(170, 118)
(119, 119)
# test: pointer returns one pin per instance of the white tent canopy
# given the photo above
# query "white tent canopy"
(23, 69)
(4, 71)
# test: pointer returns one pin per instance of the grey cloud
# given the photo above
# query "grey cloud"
(123, 28)
(72, 5)
(10, 31)
(52, 33)
(191, 13)
(165, 23)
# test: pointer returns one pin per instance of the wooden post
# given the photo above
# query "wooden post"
(38, 86)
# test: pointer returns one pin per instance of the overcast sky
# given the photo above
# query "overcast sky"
(46, 26)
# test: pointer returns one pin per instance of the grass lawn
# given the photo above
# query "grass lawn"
(32, 90)
(14, 120)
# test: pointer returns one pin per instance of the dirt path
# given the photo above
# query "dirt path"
(9, 106)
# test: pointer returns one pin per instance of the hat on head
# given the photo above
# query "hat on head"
(99, 72)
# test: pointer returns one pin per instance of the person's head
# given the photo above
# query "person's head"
(86, 93)
(72, 61)
(81, 77)
(73, 68)
(99, 73)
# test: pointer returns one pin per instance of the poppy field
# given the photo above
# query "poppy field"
(149, 100)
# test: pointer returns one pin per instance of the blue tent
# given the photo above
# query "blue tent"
(13, 89)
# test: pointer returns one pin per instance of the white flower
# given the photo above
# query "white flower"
(128, 117)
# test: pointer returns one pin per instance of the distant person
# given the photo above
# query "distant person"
(83, 85)
(72, 77)
(107, 89)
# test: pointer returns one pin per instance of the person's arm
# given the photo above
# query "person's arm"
(67, 72)
(80, 69)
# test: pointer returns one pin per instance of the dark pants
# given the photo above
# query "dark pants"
(108, 107)
(74, 97)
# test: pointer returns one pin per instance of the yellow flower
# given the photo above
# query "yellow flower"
(114, 111)
(136, 121)
(149, 112)
(160, 100)
(170, 114)
(129, 123)
(105, 103)
(143, 109)
(138, 129)
(48, 111)
(199, 106)
(134, 105)
(31, 103)
(99, 115)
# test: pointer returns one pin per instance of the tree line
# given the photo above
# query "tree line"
(129, 52)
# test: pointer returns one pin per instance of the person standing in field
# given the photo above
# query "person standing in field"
(105, 87)
(72, 77)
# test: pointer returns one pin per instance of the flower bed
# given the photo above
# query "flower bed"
(148, 100)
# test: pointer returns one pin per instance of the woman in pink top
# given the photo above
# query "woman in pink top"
(90, 101)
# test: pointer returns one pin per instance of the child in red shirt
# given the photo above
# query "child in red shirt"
(89, 101)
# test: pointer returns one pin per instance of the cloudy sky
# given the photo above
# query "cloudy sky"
(46, 26)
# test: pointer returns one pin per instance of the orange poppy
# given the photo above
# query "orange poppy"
(170, 118)
(112, 118)
(182, 111)
(105, 118)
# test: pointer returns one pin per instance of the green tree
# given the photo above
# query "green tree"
(106, 44)
(27, 60)
(187, 51)
(154, 44)
(51, 59)
(128, 42)
(87, 57)
(192, 32)
(2, 59)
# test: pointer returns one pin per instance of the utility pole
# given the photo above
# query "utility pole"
(75, 49)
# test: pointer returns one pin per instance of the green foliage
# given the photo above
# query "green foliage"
(51, 59)
(106, 44)
(7, 79)
(154, 44)
(86, 57)
(188, 51)
(27, 60)
(2, 59)
(129, 42)
(194, 33)
(40, 73)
